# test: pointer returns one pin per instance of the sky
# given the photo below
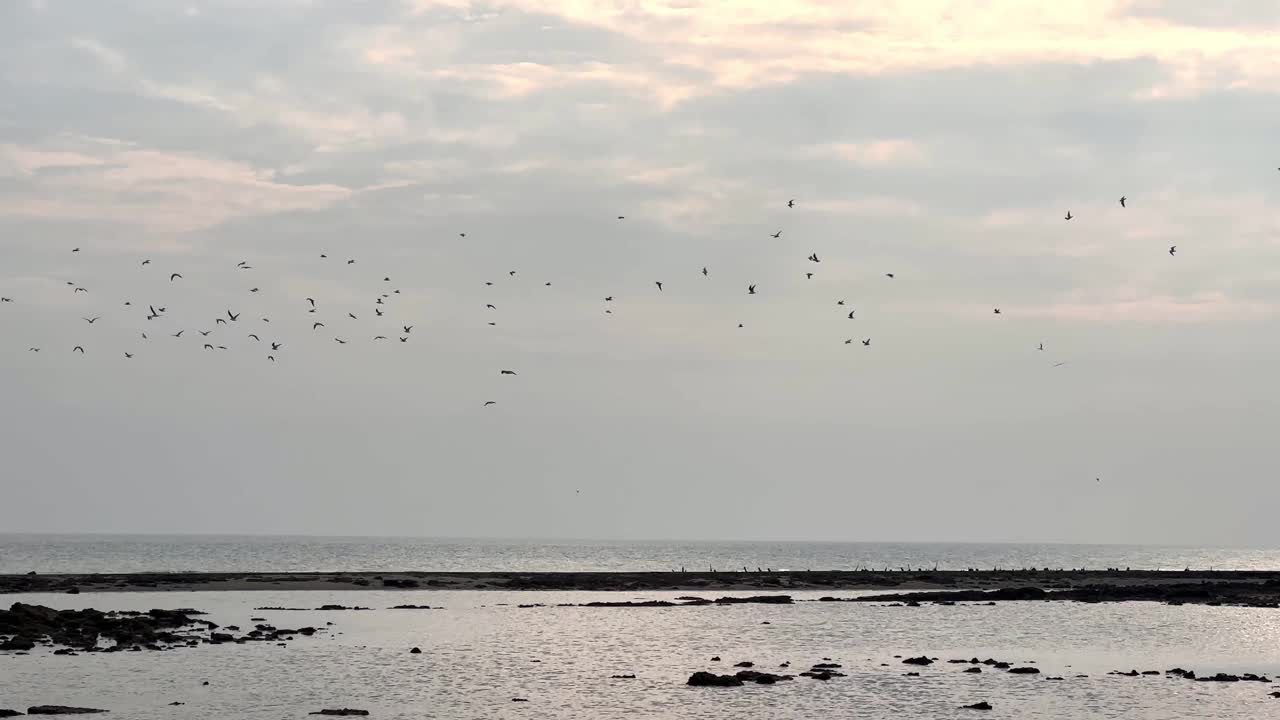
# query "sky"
(943, 141)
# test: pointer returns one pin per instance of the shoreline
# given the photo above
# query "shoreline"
(834, 580)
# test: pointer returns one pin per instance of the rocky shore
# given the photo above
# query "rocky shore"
(1109, 585)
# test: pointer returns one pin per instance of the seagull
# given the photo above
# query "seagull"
(317, 325)
(33, 349)
(75, 249)
(146, 262)
(512, 273)
(204, 333)
(222, 347)
(545, 284)
(174, 276)
(233, 317)
(808, 276)
(255, 337)
(1069, 215)
(219, 321)
(351, 262)
(1059, 364)
(849, 341)
(866, 343)
(1122, 199)
(379, 302)
(408, 329)
(791, 203)
(253, 289)
(353, 317)
(462, 234)
(144, 336)
(751, 289)
(814, 258)
(704, 272)
(272, 358)
(340, 341)
(312, 301)
(622, 217)
(777, 234)
(491, 307)
(404, 339)
(659, 286)
(490, 403)
(179, 333)
(609, 299)
(1173, 249)
(996, 311)
(275, 346)
(851, 314)
(128, 355)
(506, 372)
(889, 275)
(207, 346)
(78, 349)
(378, 311)
(92, 320)
(1041, 347)
(80, 289)
(5, 299)
(323, 255)
(380, 337)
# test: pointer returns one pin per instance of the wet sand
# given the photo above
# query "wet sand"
(1261, 582)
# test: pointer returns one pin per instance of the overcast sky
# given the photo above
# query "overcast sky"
(942, 141)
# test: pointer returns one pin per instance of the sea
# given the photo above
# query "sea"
(481, 651)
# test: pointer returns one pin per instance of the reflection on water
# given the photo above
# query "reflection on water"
(481, 651)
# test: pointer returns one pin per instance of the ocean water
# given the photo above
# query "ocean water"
(481, 651)
(114, 553)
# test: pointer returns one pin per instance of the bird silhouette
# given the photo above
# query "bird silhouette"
(79, 289)
(1059, 364)
(404, 339)
(777, 234)
(5, 299)
(255, 337)
(506, 372)
(351, 262)
(490, 306)
(174, 276)
(146, 262)
(234, 317)
(1173, 250)
(272, 358)
(849, 341)
(704, 272)
(851, 314)
(622, 217)
(1041, 347)
(317, 325)
(204, 333)
(866, 343)
(380, 337)
(275, 346)
(889, 275)
(512, 273)
(312, 301)
(659, 286)
(808, 276)
(78, 349)
(91, 320)
(33, 349)
(490, 403)
(814, 258)
(219, 321)
(408, 329)
(378, 311)
(996, 311)
(207, 346)
(353, 317)
(128, 355)
(74, 250)
(791, 203)
(179, 333)
(751, 289)
(609, 299)
(1122, 199)
(340, 341)
(253, 290)
(840, 302)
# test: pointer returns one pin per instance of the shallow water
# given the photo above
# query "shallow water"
(88, 553)
(478, 655)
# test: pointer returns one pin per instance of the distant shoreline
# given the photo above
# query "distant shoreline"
(777, 581)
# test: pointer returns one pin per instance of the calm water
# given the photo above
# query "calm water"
(478, 655)
(83, 553)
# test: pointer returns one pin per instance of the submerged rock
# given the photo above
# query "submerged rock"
(62, 710)
(6, 713)
(1024, 671)
(984, 705)
(922, 660)
(341, 712)
(706, 679)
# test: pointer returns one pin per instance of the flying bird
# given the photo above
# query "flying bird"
(312, 301)
(512, 273)
(91, 320)
(174, 276)
(233, 316)
(255, 337)
(146, 262)
(351, 262)
(219, 321)
(808, 276)
(814, 258)
(1069, 215)
(5, 299)
(408, 329)
(254, 290)
(1041, 347)
(79, 289)
(490, 306)
(889, 275)
(380, 337)
(849, 341)
(1173, 249)
(659, 286)
(791, 203)
(207, 346)
(317, 325)
(996, 311)
(851, 314)
(33, 349)
(275, 346)
(378, 311)
(128, 355)
(78, 349)
(340, 341)
(179, 333)
(1059, 364)
(506, 372)
(751, 289)
(609, 299)
(777, 234)
(866, 343)
(404, 339)
(1122, 199)
(490, 403)
(622, 217)
(272, 358)
(75, 249)
(204, 333)
(353, 317)
(704, 272)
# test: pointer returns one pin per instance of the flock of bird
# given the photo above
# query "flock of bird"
(381, 306)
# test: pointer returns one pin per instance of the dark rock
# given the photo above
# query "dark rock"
(400, 583)
(416, 651)
(18, 643)
(706, 679)
(1131, 673)
(715, 659)
(622, 677)
(1220, 677)
(911, 674)
(62, 710)
(1024, 671)
(760, 678)
(519, 699)
(411, 607)
(922, 660)
(342, 712)
(984, 705)
(1001, 665)
(5, 713)
(973, 670)
(1053, 678)
(827, 666)
(745, 664)
(1150, 672)
(819, 675)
